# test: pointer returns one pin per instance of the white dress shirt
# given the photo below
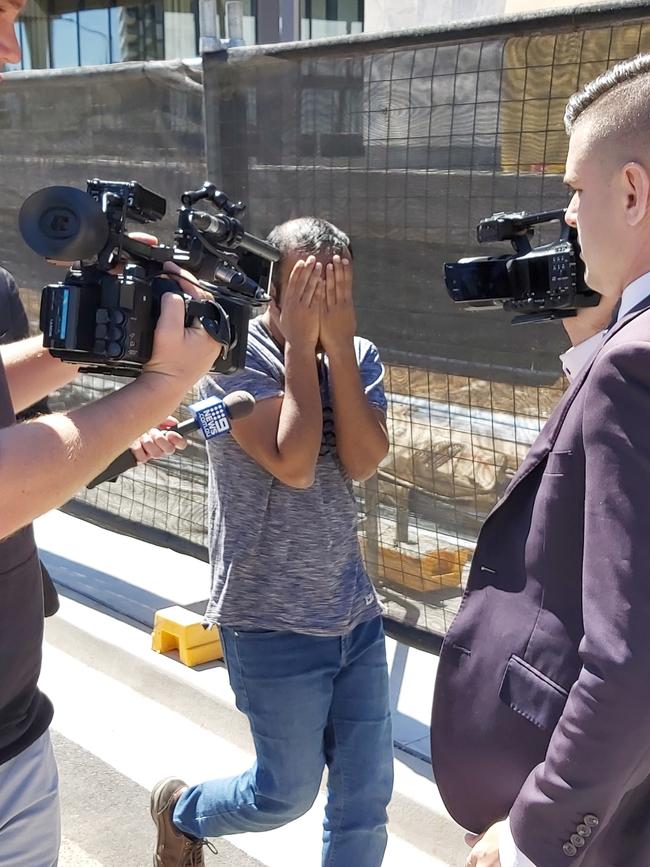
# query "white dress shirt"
(575, 357)
(572, 362)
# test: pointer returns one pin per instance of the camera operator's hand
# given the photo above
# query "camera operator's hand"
(180, 354)
(298, 315)
(158, 442)
(590, 320)
(145, 238)
(338, 321)
(187, 281)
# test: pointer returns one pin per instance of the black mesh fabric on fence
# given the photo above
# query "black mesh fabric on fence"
(138, 121)
(406, 142)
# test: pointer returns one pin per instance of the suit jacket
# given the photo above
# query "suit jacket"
(542, 699)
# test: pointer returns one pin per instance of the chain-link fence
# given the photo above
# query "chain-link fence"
(405, 142)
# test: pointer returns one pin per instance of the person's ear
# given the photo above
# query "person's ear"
(636, 186)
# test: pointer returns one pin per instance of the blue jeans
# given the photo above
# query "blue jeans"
(311, 701)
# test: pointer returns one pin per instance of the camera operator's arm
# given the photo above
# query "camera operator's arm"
(45, 461)
(32, 372)
(283, 434)
(361, 435)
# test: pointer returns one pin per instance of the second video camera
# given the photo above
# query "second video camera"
(539, 284)
(103, 314)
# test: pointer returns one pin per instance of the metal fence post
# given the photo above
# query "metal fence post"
(235, 22)
(209, 39)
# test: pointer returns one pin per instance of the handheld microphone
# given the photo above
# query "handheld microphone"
(211, 416)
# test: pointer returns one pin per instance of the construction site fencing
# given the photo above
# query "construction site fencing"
(405, 141)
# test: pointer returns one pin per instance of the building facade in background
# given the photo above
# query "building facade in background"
(59, 33)
(64, 33)
(387, 15)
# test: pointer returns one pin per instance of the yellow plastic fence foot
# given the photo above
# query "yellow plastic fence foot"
(177, 628)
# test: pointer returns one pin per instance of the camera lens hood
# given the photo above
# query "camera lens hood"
(63, 223)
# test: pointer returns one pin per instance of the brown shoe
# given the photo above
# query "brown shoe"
(173, 848)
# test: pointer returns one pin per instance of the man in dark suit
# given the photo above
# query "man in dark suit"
(541, 718)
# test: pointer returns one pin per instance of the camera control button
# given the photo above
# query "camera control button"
(101, 331)
(102, 315)
(99, 347)
(117, 317)
(114, 350)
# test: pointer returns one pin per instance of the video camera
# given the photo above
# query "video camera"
(105, 320)
(540, 284)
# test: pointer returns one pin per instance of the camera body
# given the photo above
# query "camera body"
(539, 284)
(102, 316)
(97, 319)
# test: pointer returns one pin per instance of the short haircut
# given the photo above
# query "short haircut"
(309, 235)
(617, 102)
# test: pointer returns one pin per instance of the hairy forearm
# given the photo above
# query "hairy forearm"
(361, 440)
(45, 461)
(32, 373)
(300, 425)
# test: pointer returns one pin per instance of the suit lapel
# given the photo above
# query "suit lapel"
(547, 436)
(629, 316)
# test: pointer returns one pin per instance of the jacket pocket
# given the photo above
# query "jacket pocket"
(532, 694)
(559, 463)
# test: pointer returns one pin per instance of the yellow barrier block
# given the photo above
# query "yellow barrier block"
(177, 628)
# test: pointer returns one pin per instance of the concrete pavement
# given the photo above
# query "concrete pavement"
(126, 716)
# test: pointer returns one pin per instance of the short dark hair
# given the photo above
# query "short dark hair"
(617, 101)
(309, 235)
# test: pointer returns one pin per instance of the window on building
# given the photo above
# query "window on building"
(61, 33)
(322, 18)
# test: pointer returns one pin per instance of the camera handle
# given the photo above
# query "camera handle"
(213, 318)
(210, 193)
(544, 316)
(210, 313)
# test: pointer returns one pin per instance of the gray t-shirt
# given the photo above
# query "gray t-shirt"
(282, 558)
